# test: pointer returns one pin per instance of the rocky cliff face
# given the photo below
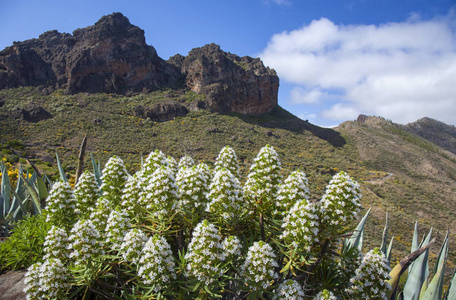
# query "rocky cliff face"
(230, 82)
(112, 57)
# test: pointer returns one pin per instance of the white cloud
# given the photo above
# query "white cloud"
(401, 71)
(300, 95)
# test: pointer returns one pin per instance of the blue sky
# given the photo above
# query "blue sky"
(335, 59)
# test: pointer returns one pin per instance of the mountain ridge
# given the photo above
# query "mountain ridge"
(112, 56)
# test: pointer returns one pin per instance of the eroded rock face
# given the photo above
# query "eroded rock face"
(230, 83)
(108, 57)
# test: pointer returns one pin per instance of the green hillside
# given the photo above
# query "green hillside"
(399, 172)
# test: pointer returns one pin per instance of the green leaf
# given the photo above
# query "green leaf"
(435, 288)
(96, 170)
(5, 194)
(452, 289)
(61, 171)
(385, 237)
(418, 272)
(356, 240)
(388, 252)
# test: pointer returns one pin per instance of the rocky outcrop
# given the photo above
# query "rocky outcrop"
(162, 111)
(230, 83)
(108, 57)
(112, 57)
(32, 113)
(12, 286)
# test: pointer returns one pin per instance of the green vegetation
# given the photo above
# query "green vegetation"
(131, 238)
(422, 186)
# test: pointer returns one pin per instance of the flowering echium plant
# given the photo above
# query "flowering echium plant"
(155, 160)
(264, 178)
(86, 192)
(114, 177)
(193, 188)
(47, 280)
(371, 276)
(85, 242)
(227, 159)
(160, 194)
(132, 194)
(56, 244)
(326, 295)
(61, 206)
(185, 161)
(258, 270)
(225, 196)
(341, 202)
(133, 243)
(156, 265)
(211, 259)
(232, 247)
(300, 226)
(205, 254)
(206, 171)
(117, 227)
(289, 290)
(294, 189)
(172, 164)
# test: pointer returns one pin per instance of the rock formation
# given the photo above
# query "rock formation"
(108, 57)
(112, 57)
(230, 82)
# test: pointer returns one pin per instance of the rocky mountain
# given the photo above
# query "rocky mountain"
(435, 131)
(112, 57)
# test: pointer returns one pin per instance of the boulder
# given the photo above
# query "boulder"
(32, 113)
(12, 286)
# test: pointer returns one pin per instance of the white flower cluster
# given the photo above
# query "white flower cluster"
(172, 163)
(156, 265)
(206, 171)
(289, 290)
(132, 245)
(155, 160)
(114, 177)
(225, 195)
(185, 161)
(205, 253)
(85, 242)
(232, 247)
(294, 189)
(56, 244)
(49, 280)
(300, 226)
(131, 194)
(264, 177)
(100, 214)
(117, 227)
(371, 276)
(227, 159)
(160, 194)
(326, 295)
(258, 269)
(61, 205)
(86, 192)
(193, 188)
(341, 202)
